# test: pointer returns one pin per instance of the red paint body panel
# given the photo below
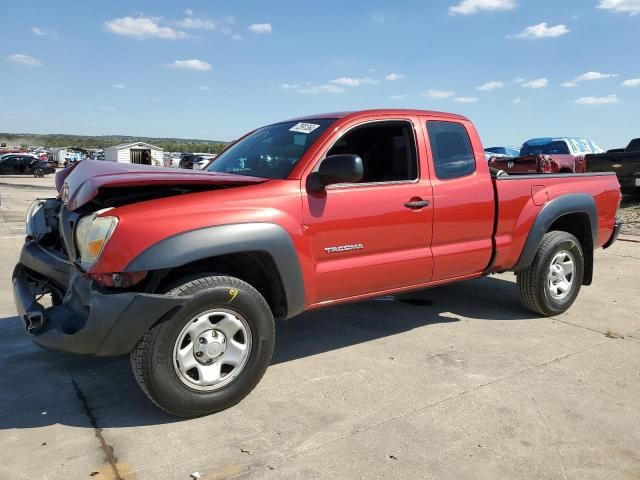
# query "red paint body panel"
(518, 210)
(89, 176)
(448, 240)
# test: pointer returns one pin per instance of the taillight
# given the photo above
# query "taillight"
(548, 165)
(119, 280)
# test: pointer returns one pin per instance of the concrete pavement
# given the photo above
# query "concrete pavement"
(454, 382)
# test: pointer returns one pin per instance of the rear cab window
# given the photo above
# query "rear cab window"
(451, 149)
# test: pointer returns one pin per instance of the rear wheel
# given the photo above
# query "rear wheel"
(38, 173)
(550, 285)
(209, 355)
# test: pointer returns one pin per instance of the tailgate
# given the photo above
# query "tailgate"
(526, 164)
(622, 164)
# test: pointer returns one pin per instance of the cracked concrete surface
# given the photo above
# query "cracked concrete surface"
(454, 382)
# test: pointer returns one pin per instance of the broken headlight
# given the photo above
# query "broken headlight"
(92, 234)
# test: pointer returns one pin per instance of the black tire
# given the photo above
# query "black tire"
(533, 280)
(38, 173)
(152, 360)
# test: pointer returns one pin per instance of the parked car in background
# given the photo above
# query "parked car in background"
(549, 155)
(22, 164)
(295, 216)
(625, 162)
(501, 152)
(195, 161)
(201, 161)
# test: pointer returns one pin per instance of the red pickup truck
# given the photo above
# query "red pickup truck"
(548, 155)
(185, 271)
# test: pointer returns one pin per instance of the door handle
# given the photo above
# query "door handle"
(415, 204)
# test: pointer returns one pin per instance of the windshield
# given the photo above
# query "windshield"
(557, 147)
(270, 152)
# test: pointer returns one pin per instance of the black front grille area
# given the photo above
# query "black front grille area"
(66, 224)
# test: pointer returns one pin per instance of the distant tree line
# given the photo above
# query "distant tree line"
(55, 141)
(191, 147)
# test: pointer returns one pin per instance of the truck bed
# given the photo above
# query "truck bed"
(520, 198)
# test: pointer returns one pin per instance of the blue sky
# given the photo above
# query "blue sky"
(213, 69)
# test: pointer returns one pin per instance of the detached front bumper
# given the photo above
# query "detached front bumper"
(89, 319)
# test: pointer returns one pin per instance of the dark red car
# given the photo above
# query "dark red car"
(548, 155)
(185, 271)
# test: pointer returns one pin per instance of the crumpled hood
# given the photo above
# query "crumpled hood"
(80, 183)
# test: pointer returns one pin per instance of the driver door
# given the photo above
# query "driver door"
(7, 166)
(374, 235)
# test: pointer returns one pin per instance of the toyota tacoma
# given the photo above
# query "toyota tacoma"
(185, 271)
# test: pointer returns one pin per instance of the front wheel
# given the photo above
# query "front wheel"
(209, 355)
(550, 285)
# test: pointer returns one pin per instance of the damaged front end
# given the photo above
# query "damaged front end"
(65, 309)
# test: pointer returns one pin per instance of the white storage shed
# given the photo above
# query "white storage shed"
(137, 152)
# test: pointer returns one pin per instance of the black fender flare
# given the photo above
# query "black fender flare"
(188, 247)
(551, 211)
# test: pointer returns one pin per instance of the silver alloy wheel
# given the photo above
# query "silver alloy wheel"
(561, 274)
(212, 349)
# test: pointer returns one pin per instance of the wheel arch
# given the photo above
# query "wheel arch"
(262, 254)
(573, 213)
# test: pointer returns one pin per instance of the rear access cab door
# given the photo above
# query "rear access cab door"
(374, 235)
(464, 206)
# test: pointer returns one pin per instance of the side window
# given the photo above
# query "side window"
(387, 149)
(451, 149)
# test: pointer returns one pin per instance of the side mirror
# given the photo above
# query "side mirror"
(345, 168)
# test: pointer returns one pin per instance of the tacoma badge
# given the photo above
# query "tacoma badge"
(344, 248)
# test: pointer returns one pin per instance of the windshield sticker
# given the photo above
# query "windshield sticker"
(304, 127)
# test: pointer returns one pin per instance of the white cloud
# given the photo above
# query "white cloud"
(26, 60)
(537, 83)
(188, 12)
(193, 23)
(517, 101)
(631, 7)
(595, 76)
(352, 82)
(260, 28)
(632, 82)
(469, 7)
(108, 108)
(519, 80)
(289, 86)
(569, 84)
(42, 32)
(204, 88)
(392, 77)
(118, 85)
(541, 30)
(142, 27)
(192, 64)
(318, 89)
(236, 38)
(397, 97)
(465, 99)
(597, 100)
(490, 86)
(439, 94)
(378, 18)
